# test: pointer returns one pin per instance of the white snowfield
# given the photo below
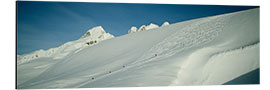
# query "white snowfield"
(94, 35)
(205, 51)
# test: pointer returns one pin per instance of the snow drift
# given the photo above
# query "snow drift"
(205, 51)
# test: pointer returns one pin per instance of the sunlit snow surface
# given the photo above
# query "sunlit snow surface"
(94, 35)
(205, 51)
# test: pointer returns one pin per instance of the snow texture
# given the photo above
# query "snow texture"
(205, 51)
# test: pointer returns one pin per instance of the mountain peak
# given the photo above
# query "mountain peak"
(133, 29)
(93, 31)
(165, 24)
(91, 37)
(151, 26)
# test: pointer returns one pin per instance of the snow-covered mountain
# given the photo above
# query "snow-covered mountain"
(91, 37)
(134, 29)
(205, 51)
(165, 24)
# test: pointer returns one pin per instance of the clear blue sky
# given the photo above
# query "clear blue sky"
(43, 25)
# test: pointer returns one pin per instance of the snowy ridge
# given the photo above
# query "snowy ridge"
(91, 37)
(205, 51)
(134, 29)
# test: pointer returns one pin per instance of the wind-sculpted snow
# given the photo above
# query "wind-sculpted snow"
(224, 63)
(204, 51)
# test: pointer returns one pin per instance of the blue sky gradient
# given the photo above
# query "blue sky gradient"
(44, 25)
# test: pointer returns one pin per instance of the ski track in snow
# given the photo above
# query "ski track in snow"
(192, 35)
(106, 74)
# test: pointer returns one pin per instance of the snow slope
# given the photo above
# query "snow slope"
(94, 35)
(204, 51)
